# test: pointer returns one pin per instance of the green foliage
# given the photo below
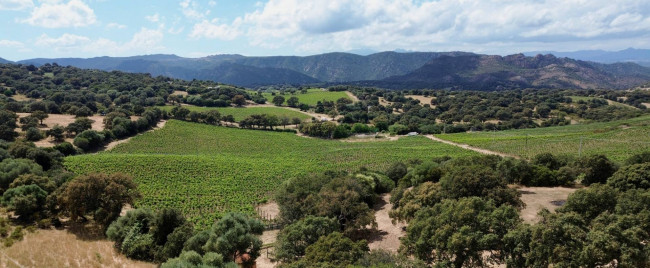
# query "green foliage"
(638, 158)
(618, 140)
(636, 176)
(144, 235)
(592, 201)
(457, 232)
(205, 171)
(312, 96)
(24, 200)
(396, 171)
(99, 195)
(296, 237)
(478, 181)
(43, 182)
(56, 132)
(398, 129)
(333, 249)
(10, 169)
(235, 235)
(239, 113)
(596, 168)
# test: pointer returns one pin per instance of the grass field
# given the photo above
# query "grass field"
(312, 96)
(617, 139)
(206, 170)
(242, 112)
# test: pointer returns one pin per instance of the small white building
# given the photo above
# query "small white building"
(412, 134)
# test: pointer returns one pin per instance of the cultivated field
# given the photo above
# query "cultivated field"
(206, 170)
(312, 96)
(242, 112)
(617, 139)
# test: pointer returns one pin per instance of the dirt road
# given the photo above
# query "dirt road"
(469, 147)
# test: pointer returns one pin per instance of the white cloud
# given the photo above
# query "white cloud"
(55, 14)
(64, 41)
(114, 25)
(153, 18)
(144, 41)
(15, 4)
(191, 10)
(214, 30)
(327, 25)
(11, 43)
(212, 3)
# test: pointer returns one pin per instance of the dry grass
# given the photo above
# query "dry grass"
(61, 248)
(423, 100)
(21, 97)
(537, 198)
(65, 119)
(182, 93)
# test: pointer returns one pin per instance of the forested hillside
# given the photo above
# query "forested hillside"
(459, 70)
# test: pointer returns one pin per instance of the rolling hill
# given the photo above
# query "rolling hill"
(484, 72)
(395, 70)
(4, 61)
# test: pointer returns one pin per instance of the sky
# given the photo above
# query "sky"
(193, 28)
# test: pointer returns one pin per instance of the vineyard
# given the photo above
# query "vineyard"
(242, 112)
(206, 170)
(312, 96)
(617, 139)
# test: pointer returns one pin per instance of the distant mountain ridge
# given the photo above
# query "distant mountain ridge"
(5, 61)
(639, 56)
(462, 70)
(485, 72)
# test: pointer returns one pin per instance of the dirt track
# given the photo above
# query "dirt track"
(469, 147)
(388, 234)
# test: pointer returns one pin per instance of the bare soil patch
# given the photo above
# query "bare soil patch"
(60, 248)
(264, 260)
(537, 198)
(178, 92)
(388, 234)
(21, 97)
(422, 99)
(352, 96)
(646, 104)
(65, 119)
(268, 211)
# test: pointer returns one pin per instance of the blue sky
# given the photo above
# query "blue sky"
(193, 28)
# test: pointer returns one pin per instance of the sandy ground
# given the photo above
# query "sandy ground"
(537, 198)
(423, 100)
(65, 119)
(61, 248)
(182, 93)
(646, 104)
(468, 147)
(269, 210)
(21, 97)
(352, 96)
(388, 234)
(62, 120)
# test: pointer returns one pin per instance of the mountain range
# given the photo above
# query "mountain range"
(462, 70)
(639, 56)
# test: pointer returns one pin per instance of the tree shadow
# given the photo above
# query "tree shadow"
(86, 230)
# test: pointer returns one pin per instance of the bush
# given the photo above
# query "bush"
(638, 158)
(66, 148)
(24, 200)
(596, 169)
(33, 134)
(635, 176)
(398, 129)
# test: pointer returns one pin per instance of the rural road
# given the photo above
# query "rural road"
(468, 147)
